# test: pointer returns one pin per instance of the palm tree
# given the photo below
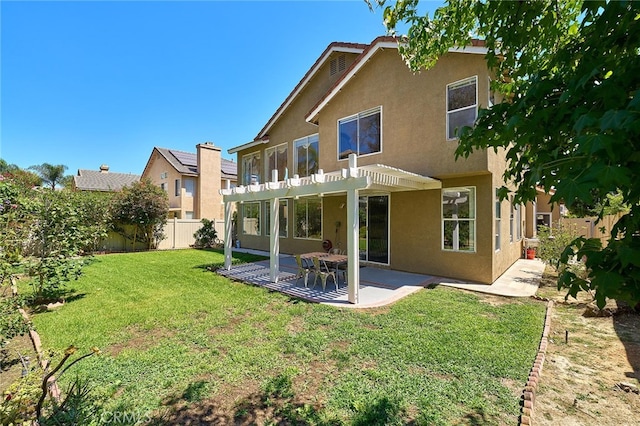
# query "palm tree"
(50, 174)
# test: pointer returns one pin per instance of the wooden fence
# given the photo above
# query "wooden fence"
(178, 234)
(588, 228)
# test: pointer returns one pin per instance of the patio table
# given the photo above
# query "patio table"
(335, 260)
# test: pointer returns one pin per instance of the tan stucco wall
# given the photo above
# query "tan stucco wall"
(207, 202)
(413, 114)
(291, 125)
(158, 165)
(413, 139)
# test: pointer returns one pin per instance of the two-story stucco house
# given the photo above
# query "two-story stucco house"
(364, 153)
(192, 180)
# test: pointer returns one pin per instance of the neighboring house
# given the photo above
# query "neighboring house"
(192, 180)
(368, 152)
(102, 180)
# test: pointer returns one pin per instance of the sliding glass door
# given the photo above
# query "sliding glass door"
(374, 229)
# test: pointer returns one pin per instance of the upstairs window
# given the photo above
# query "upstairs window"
(276, 160)
(462, 105)
(177, 188)
(360, 134)
(251, 168)
(306, 155)
(189, 187)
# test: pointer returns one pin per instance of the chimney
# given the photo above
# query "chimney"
(104, 168)
(209, 177)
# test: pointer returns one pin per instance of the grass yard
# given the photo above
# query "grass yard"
(182, 345)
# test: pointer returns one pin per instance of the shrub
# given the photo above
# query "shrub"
(553, 242)
(207, 236)
(140, 213)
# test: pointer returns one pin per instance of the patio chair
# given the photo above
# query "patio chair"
(303, 271)
(321, 271)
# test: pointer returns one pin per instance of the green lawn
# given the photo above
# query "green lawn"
(181, 343)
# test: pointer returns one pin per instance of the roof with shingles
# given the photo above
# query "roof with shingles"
(95, 180)
(229, 168)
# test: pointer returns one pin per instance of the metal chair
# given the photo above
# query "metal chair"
(303, 271)
(323, 274)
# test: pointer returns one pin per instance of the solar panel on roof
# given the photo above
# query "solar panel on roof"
(186, 158)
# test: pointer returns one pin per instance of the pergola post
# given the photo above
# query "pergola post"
(228, 228)
(274, 238)
(353, 235)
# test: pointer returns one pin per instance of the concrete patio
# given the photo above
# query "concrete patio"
(380, 287)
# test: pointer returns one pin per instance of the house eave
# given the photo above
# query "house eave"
(248, 145)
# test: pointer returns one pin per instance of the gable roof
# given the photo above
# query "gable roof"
(95, 180)
(186, 163)
(380, 43)
(336, 46)
(365, 52)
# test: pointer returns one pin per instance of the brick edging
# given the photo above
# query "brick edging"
(529, 392)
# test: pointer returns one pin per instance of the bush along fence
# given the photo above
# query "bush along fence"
(178, 234)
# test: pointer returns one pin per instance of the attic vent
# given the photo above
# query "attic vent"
(337, 65)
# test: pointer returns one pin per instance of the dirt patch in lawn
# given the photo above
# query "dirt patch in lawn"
(139, 340)
(592, 369)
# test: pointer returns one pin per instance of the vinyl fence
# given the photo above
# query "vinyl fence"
(178, 232)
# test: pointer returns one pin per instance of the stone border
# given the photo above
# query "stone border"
(529, 392)
(54, 389)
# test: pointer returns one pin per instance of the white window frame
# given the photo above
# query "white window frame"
(177, 188)
(306, 142)
(357, 117)
(298, 201)
(457, 84)
(472, 219)
(283, 230)
(498, 221)
(491, 94)
(256, 172)
(275, 149)
(515, 222)
(245, 206)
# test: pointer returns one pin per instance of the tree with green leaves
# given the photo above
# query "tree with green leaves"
(51, 175)
(140, 212)
(568, 73)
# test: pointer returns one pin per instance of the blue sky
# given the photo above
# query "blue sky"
(87, 83)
